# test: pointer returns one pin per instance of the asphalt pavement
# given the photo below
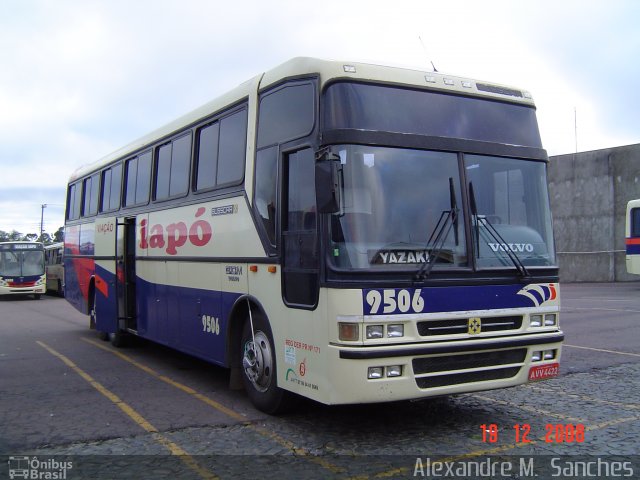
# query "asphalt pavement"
(73, 405)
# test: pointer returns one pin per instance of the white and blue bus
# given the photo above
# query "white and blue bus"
(55, 269)
(22, 269)
(632, 237)
(342, 231)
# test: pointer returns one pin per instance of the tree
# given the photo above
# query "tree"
(45, 238)
(15, 236)
(59, 235)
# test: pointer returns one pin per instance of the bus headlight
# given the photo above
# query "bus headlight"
(376, 373)
(375, 331)
(394, 371)
(394, 331)
(536, 320)
(550, 320)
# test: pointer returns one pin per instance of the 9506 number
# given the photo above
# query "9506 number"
(392, 301)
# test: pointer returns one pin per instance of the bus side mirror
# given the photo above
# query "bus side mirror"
(327, 183)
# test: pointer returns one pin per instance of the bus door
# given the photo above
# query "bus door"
(126, 273)
(299, 232)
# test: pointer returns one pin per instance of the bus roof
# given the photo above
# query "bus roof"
(328, 71)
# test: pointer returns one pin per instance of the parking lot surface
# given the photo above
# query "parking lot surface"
(72, 404)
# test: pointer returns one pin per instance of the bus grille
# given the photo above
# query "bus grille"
(457, 326)
(431, 372)
(22, 284)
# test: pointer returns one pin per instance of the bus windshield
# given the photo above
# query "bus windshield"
(21, 263)
(391, 109)
(392, 202)
(511, 208)
(396, 203)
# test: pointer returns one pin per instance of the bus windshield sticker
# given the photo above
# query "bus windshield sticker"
(386, 257)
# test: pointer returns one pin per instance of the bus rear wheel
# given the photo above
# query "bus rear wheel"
(259, 376)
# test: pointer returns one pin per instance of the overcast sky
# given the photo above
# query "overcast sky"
(81, 78)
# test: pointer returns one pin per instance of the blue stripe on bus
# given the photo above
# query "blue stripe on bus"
(453, 299)
(191, 320)
(633, 249)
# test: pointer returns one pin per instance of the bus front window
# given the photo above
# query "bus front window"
(391, 204)
(33, 263)
(511, 199)
(19, 263)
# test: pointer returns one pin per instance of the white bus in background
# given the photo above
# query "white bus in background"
(54, 267)
(22, 269)
(342, 231)
(632, 237)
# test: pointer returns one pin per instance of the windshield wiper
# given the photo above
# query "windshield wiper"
(448, 219)
(491, 230)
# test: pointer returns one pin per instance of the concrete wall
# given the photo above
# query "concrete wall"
(589, 193)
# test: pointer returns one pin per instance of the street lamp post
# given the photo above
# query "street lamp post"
(43, 206)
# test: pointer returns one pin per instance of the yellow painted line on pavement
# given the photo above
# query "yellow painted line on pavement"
(601, 350)
(173, 383)
(218, 406)
(174, 448)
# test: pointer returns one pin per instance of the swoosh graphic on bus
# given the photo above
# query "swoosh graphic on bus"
(539, 294)
(101, 286)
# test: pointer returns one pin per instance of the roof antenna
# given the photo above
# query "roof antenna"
(427, 55)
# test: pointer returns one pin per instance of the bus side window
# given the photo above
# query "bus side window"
(286, 112)
(266, 190)
(74, 199)
(111, 181)
(221, 152)
(233, 145)
(635, 222)
(143, 179)
(137, 180)
(172, 168)
(90, 196)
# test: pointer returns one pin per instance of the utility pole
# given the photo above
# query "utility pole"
(43, 206)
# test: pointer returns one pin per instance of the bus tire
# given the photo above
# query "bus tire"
(119, 339)
(259, 373)
(92, 308)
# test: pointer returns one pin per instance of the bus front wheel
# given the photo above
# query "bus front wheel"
(259, 368)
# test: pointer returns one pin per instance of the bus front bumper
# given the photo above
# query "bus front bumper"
(414, 371)
(32, 290)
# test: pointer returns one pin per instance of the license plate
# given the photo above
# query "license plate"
(542, 372)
